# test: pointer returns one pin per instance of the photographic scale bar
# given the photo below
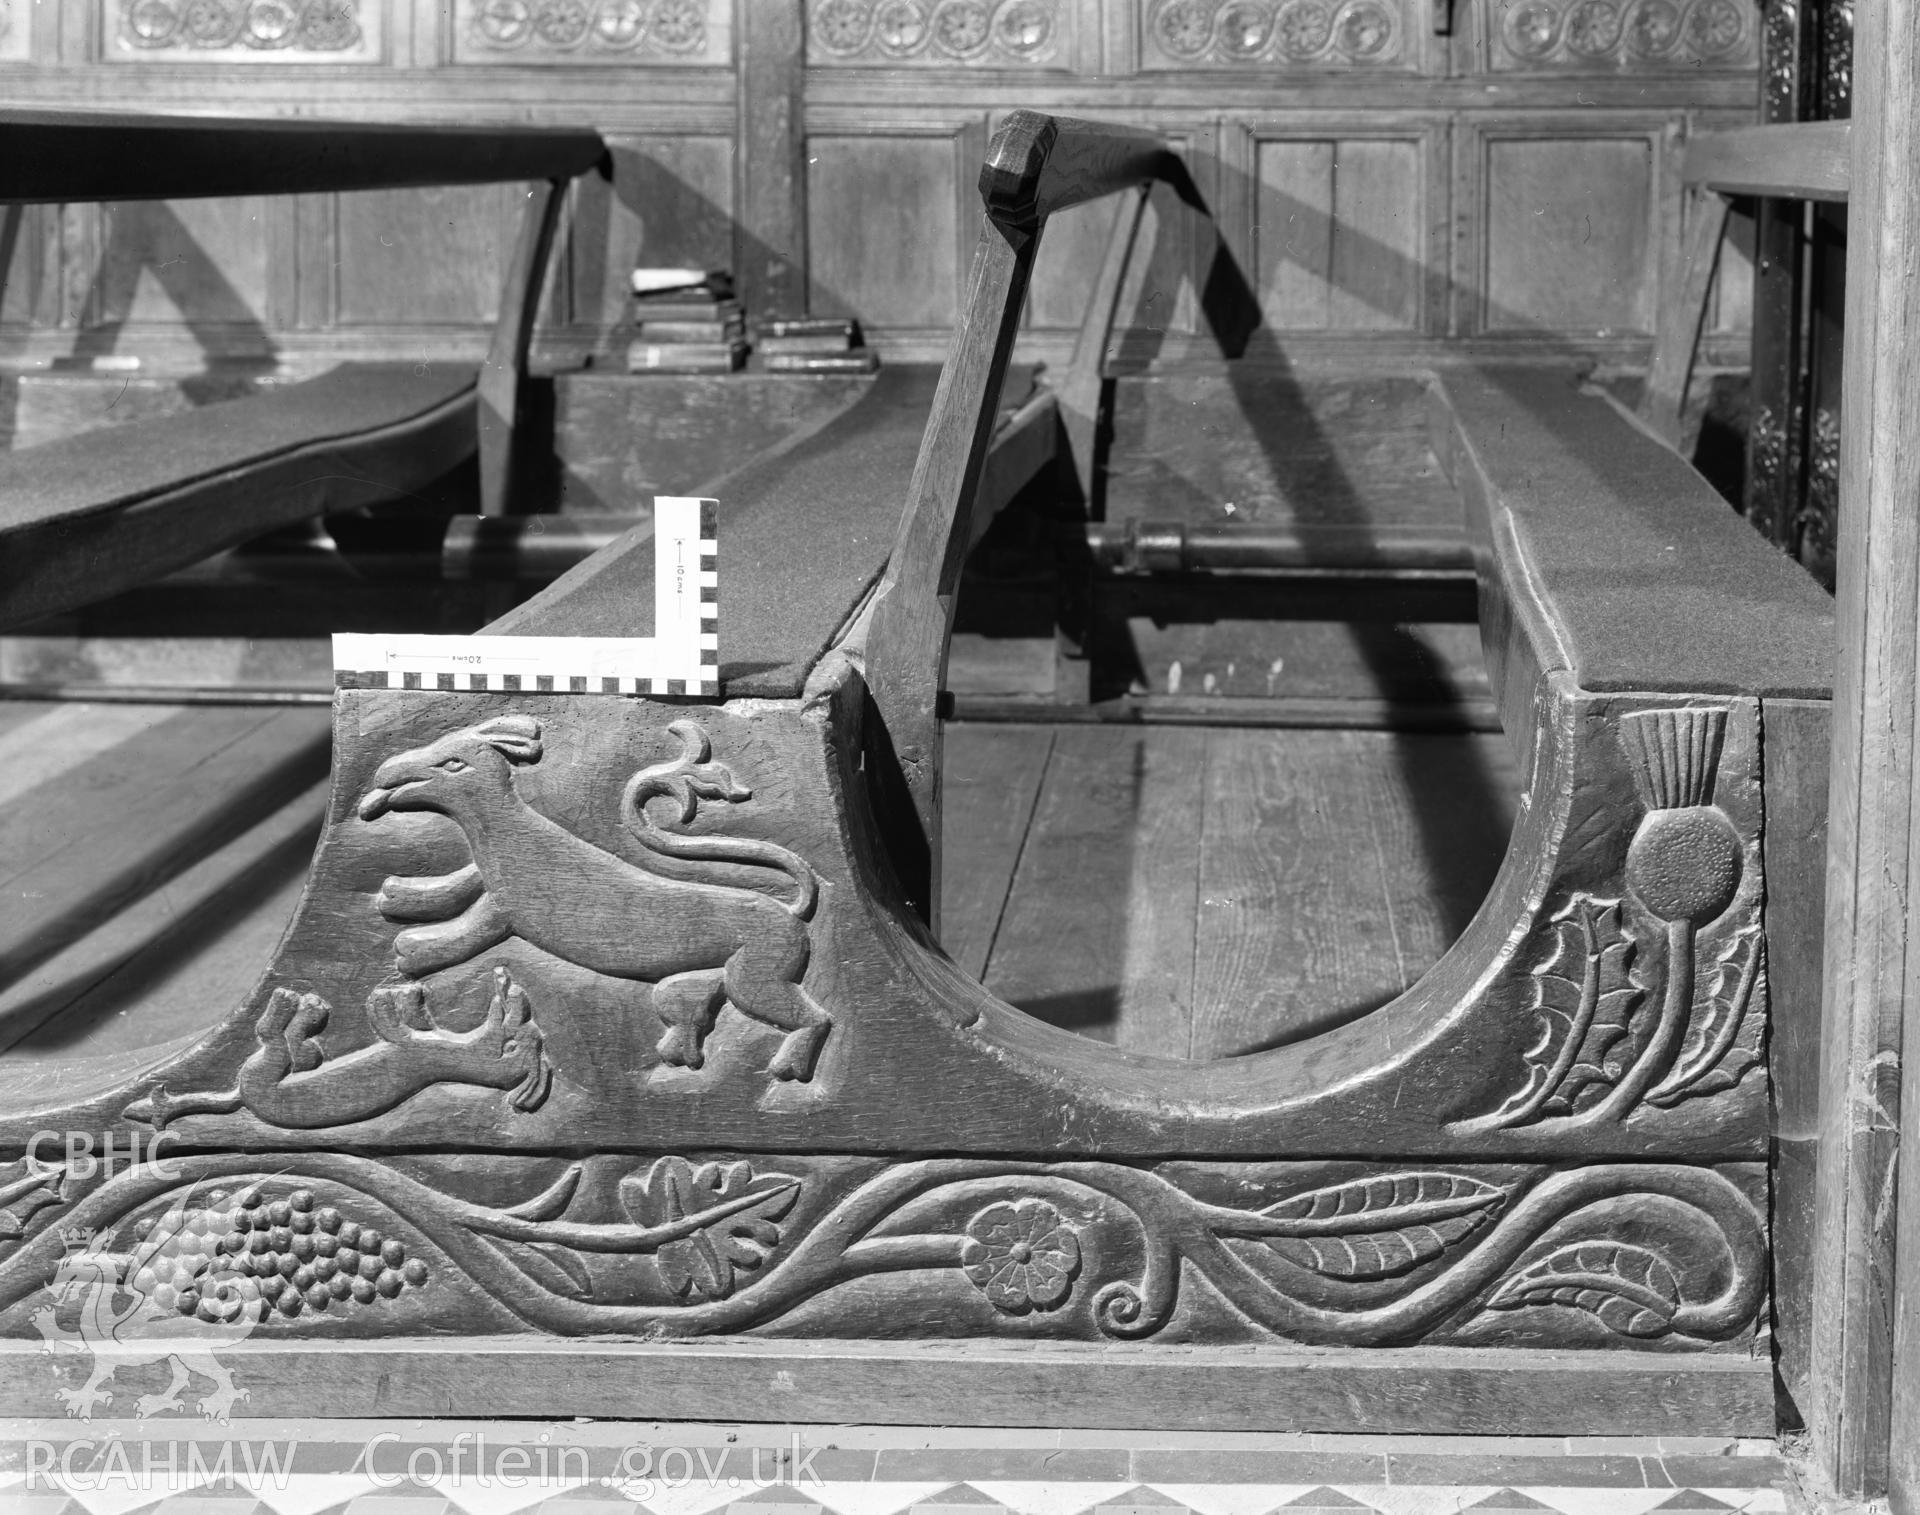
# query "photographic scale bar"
(681, 658)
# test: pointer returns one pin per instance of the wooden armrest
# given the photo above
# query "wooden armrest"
(1603, 554)
(68, 156)
(1802, 160)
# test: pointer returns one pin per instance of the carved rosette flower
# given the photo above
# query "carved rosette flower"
(1023, 28)
(1653, 26)
(1245, 30)
(1364, 30)
(901, 27)
(680, 26)
(962, 28)
(1023, 1256)
(1532, 29)
(1593, 28)
(151, 23)
(1715, 28)
(1183, 28)
(842, 27)
(503, 23)
(1306, 27)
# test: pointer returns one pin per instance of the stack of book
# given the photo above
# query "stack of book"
(685, 320)
(814, 344)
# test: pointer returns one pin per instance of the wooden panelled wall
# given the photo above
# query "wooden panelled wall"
(1394, 173)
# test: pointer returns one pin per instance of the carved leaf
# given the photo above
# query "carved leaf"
(1723, 1045)
(22, 1199)
(552, 1267)
(551, 1200)
(1379, 1227)
(1629, 1289)
(703, 1262)
(1586, 997)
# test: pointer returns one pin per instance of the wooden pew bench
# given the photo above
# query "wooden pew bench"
(83, 518)
(621, 1023)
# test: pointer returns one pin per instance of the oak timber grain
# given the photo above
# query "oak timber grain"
(1098, 932)
(139, 813)
(70, 156)
(1436, 1390)
(994, 775)
(1630, 571)
(83, 518)
(1865, 1379)
(1308, 452)
(504, 447)
(1800, 160)
(176, 958)
(1684, 287)
(1798, 747)
(1337, 867)
(769, 253)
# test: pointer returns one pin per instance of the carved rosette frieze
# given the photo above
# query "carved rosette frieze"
(278, 31)
(1625, 34)
(939, 33)
(1669, 1256)
(653, 32)
(1189, 34)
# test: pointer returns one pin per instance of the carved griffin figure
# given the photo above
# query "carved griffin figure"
(699, 942)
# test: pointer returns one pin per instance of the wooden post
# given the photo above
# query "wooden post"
(1865, 1376)
(770, 218)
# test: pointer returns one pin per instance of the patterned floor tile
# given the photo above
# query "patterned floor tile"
(1231, 1498)
(1507, 1502)
(1588, 1500)
(498, 1497)
(401, 1504)
(872, 1498)
(1049, 1497)
(208, 1504)
(1324, 1501)
(1419, 1499)
(313, 1493)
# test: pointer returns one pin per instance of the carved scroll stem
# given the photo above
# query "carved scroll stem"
(1559, 1196)
(1176, 1226)
(1676, 1009)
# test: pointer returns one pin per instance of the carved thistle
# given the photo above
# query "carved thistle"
(1624, 1016)
(1332, 1254)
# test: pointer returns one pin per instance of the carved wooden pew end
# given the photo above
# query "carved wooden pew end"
(609, 1067)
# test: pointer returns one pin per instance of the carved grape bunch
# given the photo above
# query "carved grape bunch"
(216, 1260)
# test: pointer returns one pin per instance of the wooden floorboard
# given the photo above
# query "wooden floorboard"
(176, 960)
(1277, 448)
(1197, 892)
(993, 777)
(111, 825)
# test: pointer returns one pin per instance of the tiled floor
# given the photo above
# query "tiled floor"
(508, 1467)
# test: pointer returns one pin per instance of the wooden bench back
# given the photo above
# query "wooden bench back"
(49, 157)
(1036, 166)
